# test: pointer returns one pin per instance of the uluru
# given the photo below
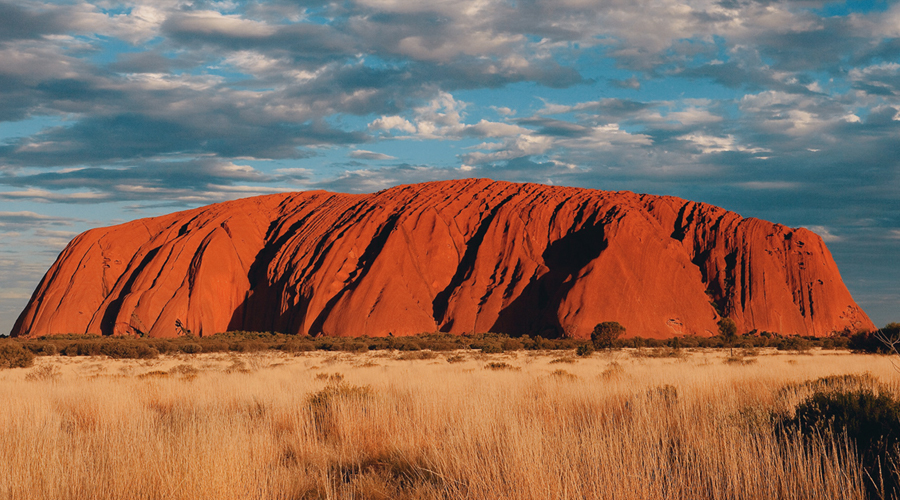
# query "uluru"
(463, 256)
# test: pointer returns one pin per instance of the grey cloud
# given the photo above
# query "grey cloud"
(23, 221)
(448, 49)
(303, 42)
(617, 109)
(884, 50)
(369, 155)
(830, 163)
(124, 119)
(76, 95)
(101, 139)
(361, 90)
(59, 239)
(737, 74)
(882, 80)
(473, 73)
(876, 88)
(399, 82)
(731, 74)
(148, 62)
(822, 48)
(556, 128)
(365, 180)
(178, 183)
(19, 23)
(516, 170)
(16, 103)
(546, 19)
(131, 136)
(32, 76)
(175, 174)
(602, 111)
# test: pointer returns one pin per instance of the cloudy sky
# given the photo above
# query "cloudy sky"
(783, 110)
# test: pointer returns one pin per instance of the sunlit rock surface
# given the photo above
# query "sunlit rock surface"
(460, 256)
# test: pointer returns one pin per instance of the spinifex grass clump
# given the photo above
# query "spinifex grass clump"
(501, 365)
(325, 405)
(858, 407)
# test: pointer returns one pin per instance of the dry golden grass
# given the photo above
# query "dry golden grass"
(624, 425)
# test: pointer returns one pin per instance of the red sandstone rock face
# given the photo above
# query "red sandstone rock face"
(456, 256)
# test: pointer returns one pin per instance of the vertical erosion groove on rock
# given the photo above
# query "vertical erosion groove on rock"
(455, 256)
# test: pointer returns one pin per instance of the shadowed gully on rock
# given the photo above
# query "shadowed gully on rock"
(455, 256)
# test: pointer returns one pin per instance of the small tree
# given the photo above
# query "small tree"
(890, 337)
(728, 331)
(606, 333)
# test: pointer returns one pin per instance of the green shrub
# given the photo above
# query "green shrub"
(866, 342)
(163, 346)
(295, 345)
(191, 348)
(660, 352)
(248, 346)
(12, 355)
(512, 345)
(353, 345)
(687, 341)
(439, 345)
(324, 344)
(126, 349)
(487, 343)
(794, 344)
(41, 348)
(83, 349)
(491, 348)
(538, 343)
(584, 350)
(407, 345)
(606, 333)
(870, 420)
(214, 345)
(727, 329)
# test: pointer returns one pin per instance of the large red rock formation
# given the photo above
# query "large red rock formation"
(458, 256)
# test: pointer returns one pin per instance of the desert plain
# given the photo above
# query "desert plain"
(622, 424)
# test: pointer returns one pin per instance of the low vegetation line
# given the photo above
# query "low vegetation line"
(15, 352)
